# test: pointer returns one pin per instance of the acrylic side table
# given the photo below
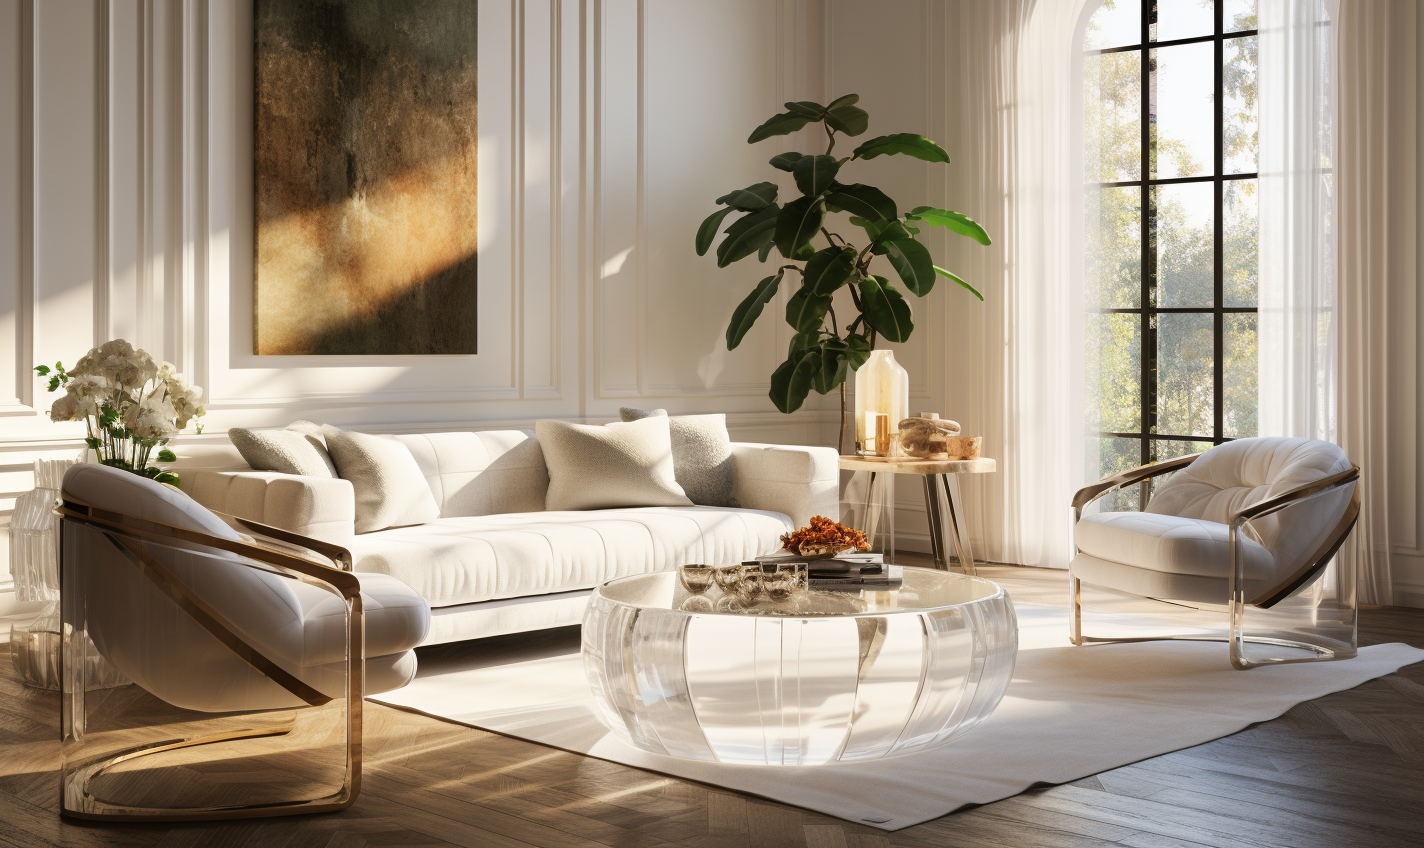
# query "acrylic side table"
(876, 503)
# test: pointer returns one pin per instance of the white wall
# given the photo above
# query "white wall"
(607, 129)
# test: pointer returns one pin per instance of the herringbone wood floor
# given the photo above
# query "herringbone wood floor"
(1344, 771)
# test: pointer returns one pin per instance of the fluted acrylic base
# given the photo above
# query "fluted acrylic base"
(832, 677)
(35, 649)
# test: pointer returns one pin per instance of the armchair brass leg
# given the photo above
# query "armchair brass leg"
(79, 802)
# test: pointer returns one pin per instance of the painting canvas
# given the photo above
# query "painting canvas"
(366, 136)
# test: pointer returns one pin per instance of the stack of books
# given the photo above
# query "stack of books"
(846, 571)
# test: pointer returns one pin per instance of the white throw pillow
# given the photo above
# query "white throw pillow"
(298, 449)
(592, 467)
(390, 489)
(701, 454)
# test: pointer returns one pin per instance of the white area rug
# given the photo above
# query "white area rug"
(1069, 713)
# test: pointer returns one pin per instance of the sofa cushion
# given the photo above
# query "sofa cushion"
(701, 454)
(300, 448)
(616, 465)
(481, 473)
(464, 560)
(390, 489)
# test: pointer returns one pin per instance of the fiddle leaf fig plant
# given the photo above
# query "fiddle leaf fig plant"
(825, 262)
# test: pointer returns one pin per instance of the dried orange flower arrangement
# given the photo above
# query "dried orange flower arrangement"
(824, 537)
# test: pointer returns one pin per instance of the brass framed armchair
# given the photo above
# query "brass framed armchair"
(1252, 524)
(249, 655)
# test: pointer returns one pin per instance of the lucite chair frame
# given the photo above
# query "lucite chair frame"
(1237, 636)
(130, 536)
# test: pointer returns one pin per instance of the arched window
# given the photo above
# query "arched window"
(1170, 236)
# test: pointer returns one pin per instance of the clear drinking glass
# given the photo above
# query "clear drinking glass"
(695, 578)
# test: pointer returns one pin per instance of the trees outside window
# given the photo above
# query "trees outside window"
(1170, 230)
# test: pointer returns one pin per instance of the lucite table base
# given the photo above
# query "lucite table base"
(841, 677)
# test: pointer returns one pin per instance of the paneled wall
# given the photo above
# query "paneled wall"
(607, 129)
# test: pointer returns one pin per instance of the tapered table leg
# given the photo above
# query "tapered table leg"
(935, 516)
(956, 522)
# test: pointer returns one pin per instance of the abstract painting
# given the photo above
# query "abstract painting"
(366, 136)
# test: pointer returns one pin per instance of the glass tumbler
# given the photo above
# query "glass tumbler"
(696, 578)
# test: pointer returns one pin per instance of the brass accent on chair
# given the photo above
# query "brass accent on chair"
(129, 535)
(1283, 588)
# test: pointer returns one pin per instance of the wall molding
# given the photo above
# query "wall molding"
(26, 295)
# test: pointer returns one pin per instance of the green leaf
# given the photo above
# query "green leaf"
(167, 477)
(765, 250)
(797, 224)
(845, 100)
(786, 161)
(814, 174)
(832, 371)
(93, 442)
(829, 269)
(806, 310)
(746, 313)
(857, 350)
(912, 262)
(751, 198)
(803, 341)
(863, 201)
(804, 252)
(791, 381)
(851, 120)
(909, 144)
(784, 124)
(883, 231)
(707, 233)
(747, 235)
(166, 455)
(886, 309)
(54, 384)
(955, 221)
(955, 277)
(42, 370)
(806, 109)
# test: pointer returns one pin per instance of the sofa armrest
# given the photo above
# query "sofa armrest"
(797, 481)
(320, 507)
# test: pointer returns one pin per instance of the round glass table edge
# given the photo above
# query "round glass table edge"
(995, 591)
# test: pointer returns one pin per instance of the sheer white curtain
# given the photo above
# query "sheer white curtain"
(1019, 57)
(1298, 327)
(1371, 186)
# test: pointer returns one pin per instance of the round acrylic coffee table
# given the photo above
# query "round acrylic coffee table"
(828, 676)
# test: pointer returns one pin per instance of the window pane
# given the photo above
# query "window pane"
(1183, 110)
(1110, 456)
(1184, 231)
(1117, 23)
(1184, 374)
(1114, 381)
(1239, 255)
(1113, 231)
(1238, 140)
(1112, 117)
(1183, 19)
(1239, 15)
(1240, 373)
(1173, 448)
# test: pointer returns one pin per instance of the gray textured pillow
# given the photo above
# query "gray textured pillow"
(701, 454)
(390, 489)
(298, 449)
(592, 467)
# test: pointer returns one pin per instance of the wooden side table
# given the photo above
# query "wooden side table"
(938, 476)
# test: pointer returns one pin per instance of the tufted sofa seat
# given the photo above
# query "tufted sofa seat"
(495, 561)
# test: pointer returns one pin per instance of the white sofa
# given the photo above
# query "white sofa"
(495, 561)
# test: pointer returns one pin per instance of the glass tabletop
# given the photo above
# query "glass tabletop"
(921, 590)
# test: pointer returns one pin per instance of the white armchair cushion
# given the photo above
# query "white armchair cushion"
(1168, 543)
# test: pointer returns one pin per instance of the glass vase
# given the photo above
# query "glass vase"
(882, 387)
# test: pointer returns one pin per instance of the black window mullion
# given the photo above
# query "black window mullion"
(1149, 249)
(1218, 368)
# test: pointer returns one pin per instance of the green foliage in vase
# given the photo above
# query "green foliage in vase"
(826, 262)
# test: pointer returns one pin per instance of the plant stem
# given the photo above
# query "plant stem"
(831, 135)
(840, 443)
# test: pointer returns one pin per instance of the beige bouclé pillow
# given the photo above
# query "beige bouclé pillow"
(390, 489)
(297, 449)
(599, 467)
